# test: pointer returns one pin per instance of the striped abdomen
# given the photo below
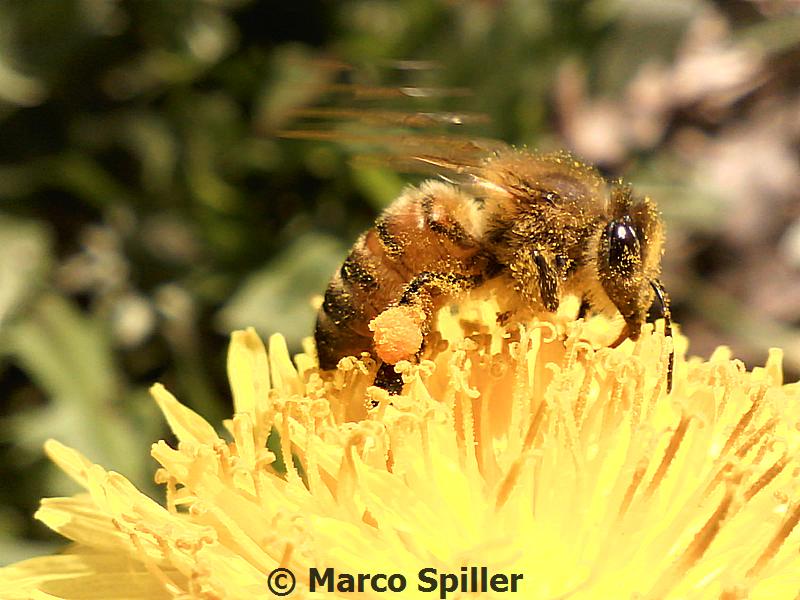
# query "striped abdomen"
(433, 228)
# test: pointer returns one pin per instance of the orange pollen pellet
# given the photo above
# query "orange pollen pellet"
(398, 333)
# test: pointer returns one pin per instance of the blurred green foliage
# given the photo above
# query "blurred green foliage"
(147, 206)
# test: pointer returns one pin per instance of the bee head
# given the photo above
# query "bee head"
(629, 255)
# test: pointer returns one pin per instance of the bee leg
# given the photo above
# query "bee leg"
(660, 310)
(548, 282)
(389, 379)
(623, 335)
(584, 308)
(448, 283)
(418, 292)
(504, 317)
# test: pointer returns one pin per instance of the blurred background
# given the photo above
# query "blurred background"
(148, 206)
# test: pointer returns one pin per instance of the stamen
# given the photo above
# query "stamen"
(756, 436)
(636, 479)
(694, 552)
(767, 477)
(287, 555)
(669, 454)
(170, 586)
(583, 392)
(776, 542)
(744, 421)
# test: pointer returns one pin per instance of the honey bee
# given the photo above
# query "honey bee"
(542, 225)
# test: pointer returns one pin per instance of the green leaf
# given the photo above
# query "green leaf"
(278, 297)
(68, 355)
(24, 262)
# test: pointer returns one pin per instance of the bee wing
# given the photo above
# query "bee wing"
(385, 117)
(410, 138)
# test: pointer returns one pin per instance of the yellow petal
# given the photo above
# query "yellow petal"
(248, 372)
(82, 576)
(186, 424)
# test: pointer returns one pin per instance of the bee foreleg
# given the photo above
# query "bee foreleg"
(660, 310)
(548, 282)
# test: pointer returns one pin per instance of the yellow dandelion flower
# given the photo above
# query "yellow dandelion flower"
(528, 459)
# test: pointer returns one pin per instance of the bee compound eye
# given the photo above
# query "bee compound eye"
(624, 251)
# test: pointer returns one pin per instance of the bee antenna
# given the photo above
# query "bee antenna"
(663, 301)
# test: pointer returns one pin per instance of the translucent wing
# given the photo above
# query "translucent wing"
(397, 125)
